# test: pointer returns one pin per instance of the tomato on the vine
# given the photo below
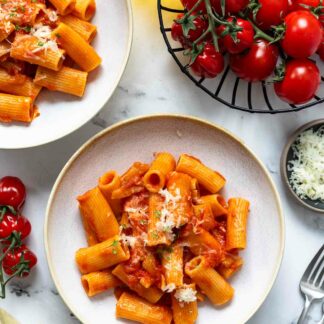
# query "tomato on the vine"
(198, 26)
(300, 83)
(257, 63)
(189, 4)
(19, 258)
(303, 34)
(17, 223)
(209, 63)
(270, 12)
(237, 41)
(12, 192)
(231, 6)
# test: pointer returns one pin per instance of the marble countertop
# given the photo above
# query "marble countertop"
(152, 84)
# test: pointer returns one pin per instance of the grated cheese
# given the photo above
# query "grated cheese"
(44, 35)
(186, 295)
(307, 168)
(128, 240)
(169, 288)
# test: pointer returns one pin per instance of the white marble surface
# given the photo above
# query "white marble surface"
(153, 84)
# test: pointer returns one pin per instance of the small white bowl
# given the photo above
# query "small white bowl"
(287, 155)
(117, 148)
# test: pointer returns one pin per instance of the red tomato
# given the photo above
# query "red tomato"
(303, 4)
(19, 257)
(301, 81)
(11, 223)
(12, 192)
(257, 64)
(209, 63)
(188, 4)
(271, 13)
(320, 51)
(231, 6)
(245, 37)
(178, 35)
(303, 34)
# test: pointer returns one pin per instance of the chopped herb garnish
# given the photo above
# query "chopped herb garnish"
(143, 221)
(155, 235)
(157, 214)
(114, 243)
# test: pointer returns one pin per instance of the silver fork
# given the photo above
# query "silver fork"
(312, 283)
(322, 320)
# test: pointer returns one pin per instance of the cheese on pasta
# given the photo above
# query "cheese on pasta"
(186, 295)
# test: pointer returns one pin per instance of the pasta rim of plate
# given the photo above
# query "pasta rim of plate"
(114, 87)
(115, 127)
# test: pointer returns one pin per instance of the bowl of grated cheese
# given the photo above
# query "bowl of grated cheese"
(302, 165)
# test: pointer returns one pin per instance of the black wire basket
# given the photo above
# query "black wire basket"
(227, 88)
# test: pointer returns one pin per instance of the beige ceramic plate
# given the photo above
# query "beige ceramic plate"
(136, 140)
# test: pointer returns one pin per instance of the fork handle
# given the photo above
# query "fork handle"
(308, 304)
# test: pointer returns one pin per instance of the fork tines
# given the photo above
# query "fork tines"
(314, 274)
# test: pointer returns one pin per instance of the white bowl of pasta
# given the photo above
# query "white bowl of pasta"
(60, 62)
(169, 236)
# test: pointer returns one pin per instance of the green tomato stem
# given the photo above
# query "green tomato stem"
(211, 22)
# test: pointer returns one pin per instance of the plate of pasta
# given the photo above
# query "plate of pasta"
(164, 228)
(60, 61)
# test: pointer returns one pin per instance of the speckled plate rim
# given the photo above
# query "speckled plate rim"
(121, 72)
(283, 163)
(127, 122)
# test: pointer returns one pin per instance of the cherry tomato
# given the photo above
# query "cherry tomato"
(14, 259)
(11, 223)
(12, 192)
(188, 4)
(300, 83)
(257, 64)
(303, 4)
(231, 6)
(271, 13)
(193, 34)
(245, 37)
(209, 63)
(303, 34)
(320, 50)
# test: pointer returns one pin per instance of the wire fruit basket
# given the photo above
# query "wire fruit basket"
(227, 88)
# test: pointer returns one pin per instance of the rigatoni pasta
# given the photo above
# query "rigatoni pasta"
(46, 35)
(174, 246)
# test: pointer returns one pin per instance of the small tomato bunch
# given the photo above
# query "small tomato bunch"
(253, 33)
(16, 259)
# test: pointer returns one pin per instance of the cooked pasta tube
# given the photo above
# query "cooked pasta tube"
(6, 28)
(172, 262)
(16, 108)
(205, 243)
(77, 48)
(184, 312)
(101, 256)
(109, 182)
(31, 50)
(155, 235)
(97, 212)
(238, 210)
(217, 204)
(66, 80)
(64, 7)
(208, 178)
(230, 265)
(85, 9)
(179, 186)
(128, 186)
(4, 50)
(151, 294)
(97, 282)
(155, 177)
(18, 85)
(205, 216)
(195, 190)
(86, 30)
(217, 289)
(139, 310)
